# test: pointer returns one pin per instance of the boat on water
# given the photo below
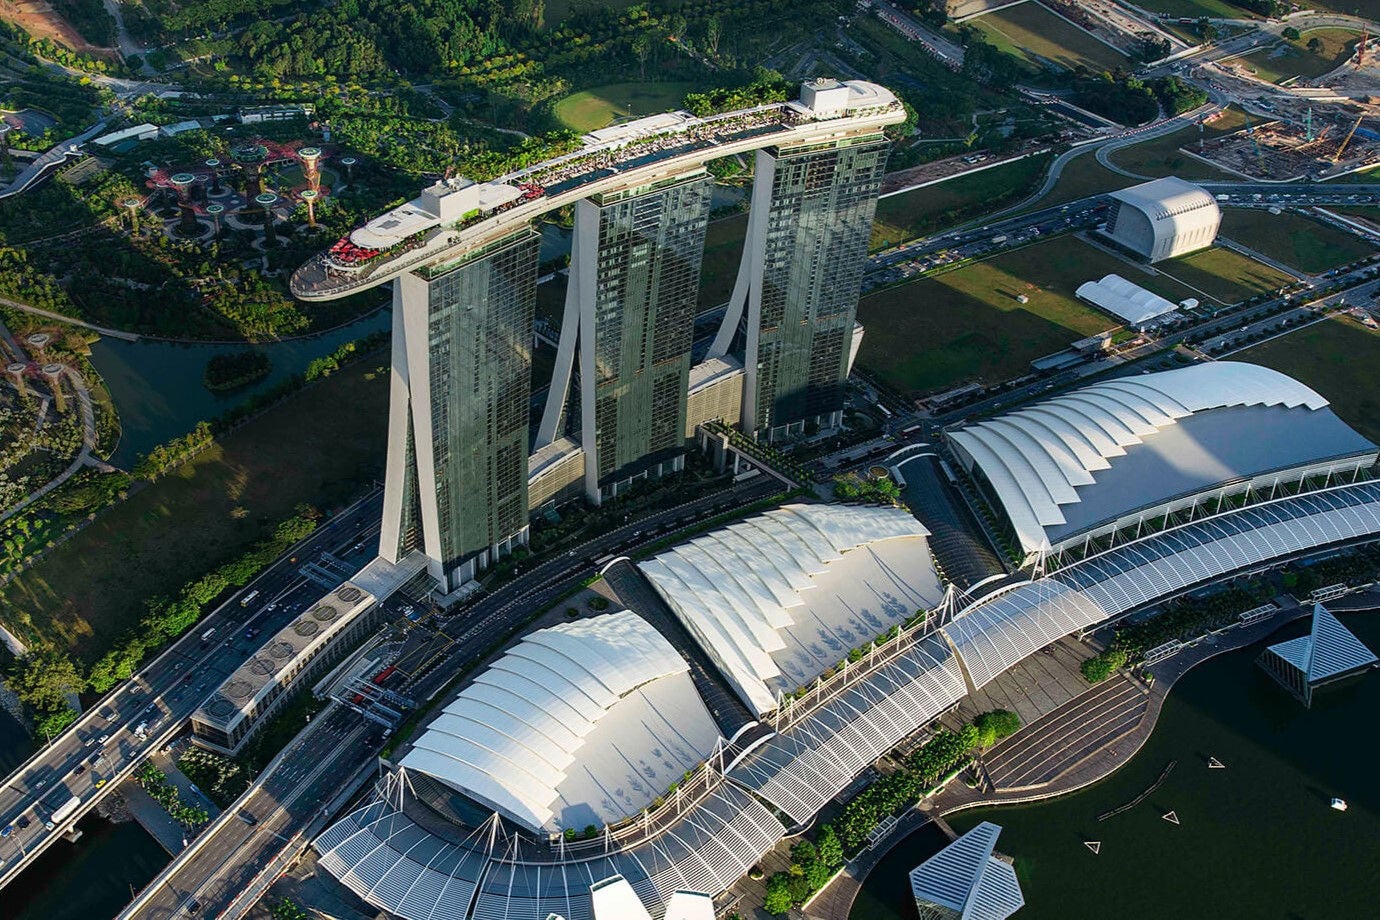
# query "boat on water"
(1339, 804)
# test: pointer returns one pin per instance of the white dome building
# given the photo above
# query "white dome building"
(1163, 219)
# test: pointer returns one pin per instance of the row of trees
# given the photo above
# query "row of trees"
(167, 618)
(813, 864)
(155, 782)
(850, 487)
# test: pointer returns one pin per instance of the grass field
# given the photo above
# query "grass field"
(967, 324)
(1293, 59)
(601, 106)
(1293, 239)
(322, 446)
(1337, 358)
(935, 207)
(1082, 176)
(1223, 275)
(1196, 9)
(1160, 156)
(1033, 34)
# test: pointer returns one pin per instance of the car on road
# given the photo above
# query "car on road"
(102, 739)
(81, 768)
(23, 821)
(6, 830)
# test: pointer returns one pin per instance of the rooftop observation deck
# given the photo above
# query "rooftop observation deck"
(455, 216)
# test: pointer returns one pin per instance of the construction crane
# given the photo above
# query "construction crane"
(1308, 125)
(1361, 52)
(1347, 140)
(1250, 132)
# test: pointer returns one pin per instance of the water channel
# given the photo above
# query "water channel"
(1256, 840)
(158, 390)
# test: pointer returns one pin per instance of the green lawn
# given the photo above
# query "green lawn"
(1160, 156)
(1337, 358)
(932, 208)
(1035, 35)
(1223, 275)
(967, 324)
(602, 105)
(322, 445)
(1196, 9)
(1082, 176)
(1293, 59)
(1295, 240)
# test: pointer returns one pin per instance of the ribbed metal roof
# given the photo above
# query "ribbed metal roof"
(1046, 461)
(1328, 650)
(511, 738)
(967, 878)
(743, 589)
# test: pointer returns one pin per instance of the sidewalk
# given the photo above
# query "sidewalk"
(170, 835)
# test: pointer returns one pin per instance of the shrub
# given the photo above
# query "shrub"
(1103, 665)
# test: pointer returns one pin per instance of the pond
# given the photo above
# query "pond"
(1255, 840)
(157, 388)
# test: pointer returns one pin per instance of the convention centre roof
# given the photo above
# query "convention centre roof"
(1328, 650)
(580, 723)
(966, 878)
(779, 598)
(1129, 302)
(1065, 466)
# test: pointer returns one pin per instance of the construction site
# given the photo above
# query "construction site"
(1321, 147)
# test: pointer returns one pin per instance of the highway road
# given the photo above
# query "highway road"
(92, 756)
(216, 870)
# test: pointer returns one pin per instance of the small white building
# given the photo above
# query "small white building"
(1163, 219)
(144, 132)
(965, 881)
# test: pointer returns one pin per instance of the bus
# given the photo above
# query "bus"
(63, 812)
(248, 598)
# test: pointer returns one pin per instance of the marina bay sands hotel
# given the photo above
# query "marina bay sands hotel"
(464, 469)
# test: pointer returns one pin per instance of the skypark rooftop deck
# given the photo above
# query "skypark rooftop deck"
(455, 215)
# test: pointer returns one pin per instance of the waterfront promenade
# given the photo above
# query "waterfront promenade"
(1080, 743)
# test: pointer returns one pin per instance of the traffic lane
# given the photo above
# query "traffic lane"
(221, 869)
(160, 685)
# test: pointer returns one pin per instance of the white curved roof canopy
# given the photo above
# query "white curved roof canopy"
(1167, 217)
(555, 722)
(1062, 466)
(778, 598)
(1125, 300)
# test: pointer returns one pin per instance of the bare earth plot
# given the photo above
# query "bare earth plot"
(1338, 358)
(967, 324)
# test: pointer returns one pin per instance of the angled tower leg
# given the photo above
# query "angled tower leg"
(558, 395)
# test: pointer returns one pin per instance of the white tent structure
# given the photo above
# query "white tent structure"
(779, 598)
(1129, 302)
(964, 881)
(581, 723)
(1103, 457)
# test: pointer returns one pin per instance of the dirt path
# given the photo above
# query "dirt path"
(39, 19)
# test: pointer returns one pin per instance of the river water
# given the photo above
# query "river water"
(1256, 840)
(157, 388)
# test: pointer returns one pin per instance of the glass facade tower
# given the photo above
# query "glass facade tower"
(456, 487)
(805, 265)
(636, 316)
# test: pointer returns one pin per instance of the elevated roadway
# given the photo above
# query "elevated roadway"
(104, 746)
(231, 862)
